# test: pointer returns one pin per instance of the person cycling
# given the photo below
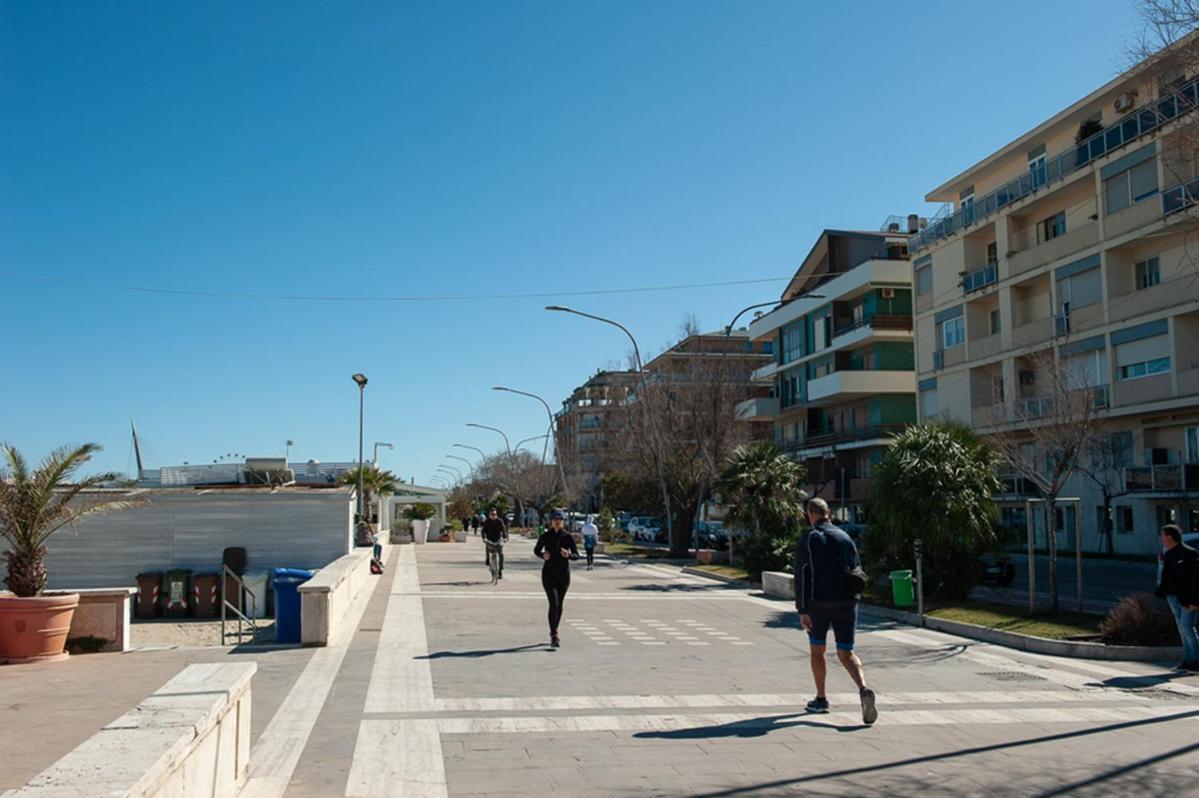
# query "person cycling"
(495, 532)
(557, 547)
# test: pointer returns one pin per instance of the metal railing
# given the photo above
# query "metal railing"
(242, 592)
(825, 435)
(1146, 119)
(980, 278)
(1171, 477)
(1180, 197)
(879, 321)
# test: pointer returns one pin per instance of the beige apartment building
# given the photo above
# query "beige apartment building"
(588, 427)
(843, 373)
(1077, 239)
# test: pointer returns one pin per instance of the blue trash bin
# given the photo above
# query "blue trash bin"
(287, 603)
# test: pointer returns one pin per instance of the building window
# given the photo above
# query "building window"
(1124, 520)
(928, 403)
(1131, 186)
(1148, 273)
(1079, 290)
(1052, 227)
(993, 252)
(1143, 358)
(997, 389)
(953, 333)
(793, 341)
(1192, 445)
(995, 324)
(924, 280)
(1146, 368)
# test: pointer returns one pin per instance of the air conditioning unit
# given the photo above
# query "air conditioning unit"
(887, 293)
(1027, 376)
(1125, 101)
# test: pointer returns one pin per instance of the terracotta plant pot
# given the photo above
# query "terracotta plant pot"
(35, 629)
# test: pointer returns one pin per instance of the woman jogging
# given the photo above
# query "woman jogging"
(557, 548)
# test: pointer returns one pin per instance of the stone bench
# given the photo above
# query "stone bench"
(778, 584)
(326, 597)
(191, 737)
(103, 613)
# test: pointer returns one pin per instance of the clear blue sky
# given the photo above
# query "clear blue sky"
(471, 148)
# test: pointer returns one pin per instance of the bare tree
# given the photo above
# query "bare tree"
(1106, 457)
(1051, 429)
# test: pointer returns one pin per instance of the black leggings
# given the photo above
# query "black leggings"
(591, 555)
(556, 593)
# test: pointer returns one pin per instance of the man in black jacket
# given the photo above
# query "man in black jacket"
(1179, 586)
(495, 531)
(823, 559)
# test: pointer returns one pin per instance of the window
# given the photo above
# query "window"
(820, 332)
(997, 389)
(1192, 445)
(953, 333)
(1160, 365)
(1124, 520)
(1052, 227)
(792, 342)
(1079, 290)
(1148, 273)
(993, 252)
(928, 403)
(994, 322)
(924, 280)
(1131, 186)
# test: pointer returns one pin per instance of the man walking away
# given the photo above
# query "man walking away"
(1180, 588)
(590, 536)
(825, 599)
(494, 530)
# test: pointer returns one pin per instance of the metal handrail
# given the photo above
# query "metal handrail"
(243, 591)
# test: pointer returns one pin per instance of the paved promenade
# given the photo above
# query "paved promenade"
(670, 685)
(665, 685)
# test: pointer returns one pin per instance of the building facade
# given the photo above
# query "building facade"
(842, 376)
(1071, 243)
(586, 429)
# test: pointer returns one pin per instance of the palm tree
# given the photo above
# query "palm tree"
(36, 504)
(375, 482)
(761, 487)
(936, 483)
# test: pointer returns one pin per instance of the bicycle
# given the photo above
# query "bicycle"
(493, 559)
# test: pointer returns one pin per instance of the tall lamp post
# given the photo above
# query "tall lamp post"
(553, 433)
(448, 468)
(523, 441)
(493, 429)
(482, 453)
(653, 424)
(375, 459)
(360, 379)
(469, 464)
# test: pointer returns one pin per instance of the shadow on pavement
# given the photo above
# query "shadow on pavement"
(1142, 682)
(679, 588)
(464, 583)
(483, 652)
(756, 727)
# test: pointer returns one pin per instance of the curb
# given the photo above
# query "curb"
(728, 580)
(1038, 645)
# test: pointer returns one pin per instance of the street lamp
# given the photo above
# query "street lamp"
(361, 380)
(526, 440)
(493, 429)
(653, 424)
(455, 469)
(482, 453)
(469, 464)
(553, 432)
(375, 459)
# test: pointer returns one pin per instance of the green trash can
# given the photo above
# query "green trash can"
(176, 590)
(903, 588)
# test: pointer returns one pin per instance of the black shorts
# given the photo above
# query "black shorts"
(841, 621)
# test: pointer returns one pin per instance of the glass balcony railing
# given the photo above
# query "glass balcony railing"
(980, 278)
(1145, 119)
(1180, 197)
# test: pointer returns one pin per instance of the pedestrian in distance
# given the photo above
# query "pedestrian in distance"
(494, 531)
(590, 538)
(556, 547)
(1179, 586)
(828, 582)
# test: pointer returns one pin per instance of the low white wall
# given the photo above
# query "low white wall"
(191, 737)
(103, 612)
(778, 583)
(326, 597)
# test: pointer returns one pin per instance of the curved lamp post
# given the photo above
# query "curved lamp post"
(360, 379)
(469, 464)
(493, 429)
(553, 433)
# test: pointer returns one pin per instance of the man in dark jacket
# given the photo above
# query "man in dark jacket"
(495, 531)
(823, 559)
(1179, 586)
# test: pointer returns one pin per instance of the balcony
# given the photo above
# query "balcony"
(1146, 119)
(758, 409)
(1145, 389)
(986, 346)
(877, 322)
(827, 436)
(1032, 333)
(856, 384)
(589, 423)
(988, 415)
(1175, 478)
(1134, 218)
(953, 356)
(1159, 297)
(1018, 487)
(766, 373)
(1033, 254)
(980, 278)
(1188, 382)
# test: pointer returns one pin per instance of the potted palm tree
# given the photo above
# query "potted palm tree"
(34, 504)
(375, 482)
(419, 514)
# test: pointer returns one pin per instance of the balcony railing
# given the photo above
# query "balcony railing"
(1164, 478)
(824, 436)
(1016, 485)
(980, 278)
(878, 322)
(1145, 119)
(1180, 197)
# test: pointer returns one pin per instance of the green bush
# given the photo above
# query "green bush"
(420, 512)
(765, 551)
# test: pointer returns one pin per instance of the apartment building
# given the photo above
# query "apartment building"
(1072, 242)
(587, 426)
(843, 373)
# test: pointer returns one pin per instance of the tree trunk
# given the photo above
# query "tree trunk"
(1109, 523)
(1051, 533)
(26, 571)
(680, 547)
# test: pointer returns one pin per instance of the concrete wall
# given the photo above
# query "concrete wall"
(187, 528)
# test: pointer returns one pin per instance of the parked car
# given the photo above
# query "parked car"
(644, 527)
(997, 570)
(712, 535)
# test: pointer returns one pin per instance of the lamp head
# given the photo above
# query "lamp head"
(360, 379)
(557, 307)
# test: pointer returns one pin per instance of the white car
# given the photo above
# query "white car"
(644, 527)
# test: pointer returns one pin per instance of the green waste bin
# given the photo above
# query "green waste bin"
(176, 590)
(903, 588)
